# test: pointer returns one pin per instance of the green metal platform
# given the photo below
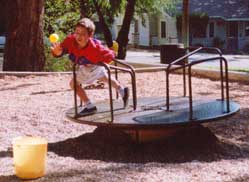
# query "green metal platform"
(151, 113)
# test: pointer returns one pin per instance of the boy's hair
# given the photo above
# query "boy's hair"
(88, 24)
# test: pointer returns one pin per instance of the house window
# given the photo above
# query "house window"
(247, 29)
(163, 29)
(211, 29)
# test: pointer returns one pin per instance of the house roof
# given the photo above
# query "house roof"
(225, 9)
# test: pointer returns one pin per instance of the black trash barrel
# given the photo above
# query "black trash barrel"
(171, 52)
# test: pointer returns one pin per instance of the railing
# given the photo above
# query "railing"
(170, 69)
(183, 58)
(129, 69)
(133, 77)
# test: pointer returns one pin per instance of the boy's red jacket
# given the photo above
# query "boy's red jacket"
(93, 53)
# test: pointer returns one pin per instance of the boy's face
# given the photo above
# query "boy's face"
(82, 36)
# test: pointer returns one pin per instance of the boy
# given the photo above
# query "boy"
(87, 52)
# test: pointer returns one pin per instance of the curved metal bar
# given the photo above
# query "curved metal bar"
(222, 59)
(227, 84)
(169, 69)
(75, 91)
(120, 68)
(190, 82)
(116, 77)
(133, 79)
(132, 73)
(134, 91)
(134, 85)
(107, 67)
(123, 64)
(184, 78)
(177, 61)
(218, 51)
(221, 80)
(167, 90)
(184, 82)
(215, 49)
(196, 62)
(190, 94)
(197, 49)
(205, 60)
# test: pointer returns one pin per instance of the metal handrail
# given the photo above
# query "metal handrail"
(108, 67)
(189, 66)
(190, 82)
(75, 92)
(197, 49)
(133, 76)
(179, 60)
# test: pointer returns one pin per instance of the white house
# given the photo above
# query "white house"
(157, 29)
(228, 22)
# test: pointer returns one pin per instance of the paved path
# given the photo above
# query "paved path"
(236, 62)
(153, 57)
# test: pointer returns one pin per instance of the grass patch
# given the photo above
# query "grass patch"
(244, 70)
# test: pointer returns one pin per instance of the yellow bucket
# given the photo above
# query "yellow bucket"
(29, 157)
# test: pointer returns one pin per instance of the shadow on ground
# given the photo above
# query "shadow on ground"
(49, 92)
(19, 86)
(196, 143)
(7, 153)
(10, 178)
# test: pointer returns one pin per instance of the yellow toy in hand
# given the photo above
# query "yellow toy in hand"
(53, 38)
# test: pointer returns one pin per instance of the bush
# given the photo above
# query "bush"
(53, 64)
(57, 64)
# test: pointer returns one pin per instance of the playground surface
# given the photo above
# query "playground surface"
(36, 105)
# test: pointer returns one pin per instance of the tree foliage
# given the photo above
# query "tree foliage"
(61, 15)
(155, 7)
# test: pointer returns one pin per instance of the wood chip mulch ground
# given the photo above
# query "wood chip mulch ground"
(36, 105)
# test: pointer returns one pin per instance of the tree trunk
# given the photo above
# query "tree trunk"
(3, 17)
(185, 23)
(24, 49)
(106, 30)
(123, 34)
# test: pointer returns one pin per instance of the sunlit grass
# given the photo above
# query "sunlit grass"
(245, 70)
